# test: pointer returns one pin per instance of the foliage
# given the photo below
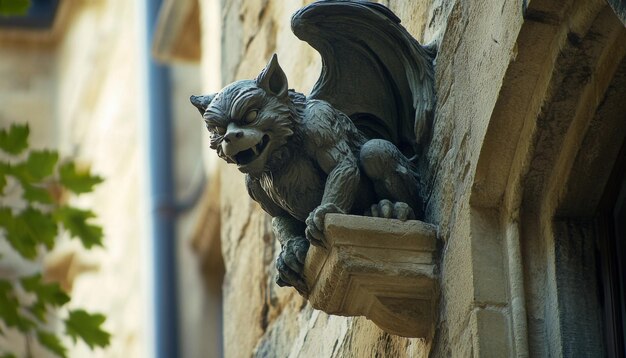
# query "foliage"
(32, 227)
(14, 7)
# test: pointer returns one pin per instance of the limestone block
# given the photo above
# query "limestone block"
(383, 269)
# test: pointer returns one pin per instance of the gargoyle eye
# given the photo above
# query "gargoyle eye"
(251, 116)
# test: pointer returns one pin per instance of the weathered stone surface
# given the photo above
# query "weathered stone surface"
(251, 32)
(305, 332)
(383, 269)
(493, 69)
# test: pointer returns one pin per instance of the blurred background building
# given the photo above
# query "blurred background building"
(77, 72)
(525, 166)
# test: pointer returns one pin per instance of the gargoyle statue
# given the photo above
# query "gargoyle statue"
(349, 146)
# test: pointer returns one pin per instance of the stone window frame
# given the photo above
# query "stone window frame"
(526, 198)
(612, 266)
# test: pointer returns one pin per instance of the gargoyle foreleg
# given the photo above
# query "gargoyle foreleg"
(342, 185)
(294, 247)
(393, 177)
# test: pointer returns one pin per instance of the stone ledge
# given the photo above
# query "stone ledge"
(382, 269)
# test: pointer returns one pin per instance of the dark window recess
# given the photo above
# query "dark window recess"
(612, 249)
(40, 16)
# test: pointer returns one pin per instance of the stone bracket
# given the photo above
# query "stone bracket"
(383, 269)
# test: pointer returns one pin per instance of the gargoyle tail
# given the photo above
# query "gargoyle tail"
(373, 70)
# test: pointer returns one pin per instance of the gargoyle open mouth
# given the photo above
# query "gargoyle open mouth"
(249, 155)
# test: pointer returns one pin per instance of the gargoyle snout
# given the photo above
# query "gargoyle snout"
(237, 139)
(231, 135)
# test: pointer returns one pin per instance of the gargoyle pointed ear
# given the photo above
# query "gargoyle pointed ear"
(201, 102)
(272, 79)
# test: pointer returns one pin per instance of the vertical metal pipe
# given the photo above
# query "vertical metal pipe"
(162, 217)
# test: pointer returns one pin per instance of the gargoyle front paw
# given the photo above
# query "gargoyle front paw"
(315, 223)
(290, 264)
(389, 210)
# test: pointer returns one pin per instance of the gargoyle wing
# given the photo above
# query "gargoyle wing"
(373, 70)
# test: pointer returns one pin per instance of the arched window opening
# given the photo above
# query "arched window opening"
(612, 258)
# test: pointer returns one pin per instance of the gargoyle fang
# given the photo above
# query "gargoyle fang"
(249, 155)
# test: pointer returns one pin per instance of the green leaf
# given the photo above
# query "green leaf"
(4, 170)
(50, 293)
(40, 226)
(77, 180)
(76, 222)
(9, 306)
(47, 294)
(40, 163)
(83, 325)
(10, 309)
(36, 194)
(14, 7)
(14, 140)
(6, 217)
(17, 234)
(8, 355)
(52, 342)
(28, 229)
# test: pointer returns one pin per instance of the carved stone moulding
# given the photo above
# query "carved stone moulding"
(382, 269)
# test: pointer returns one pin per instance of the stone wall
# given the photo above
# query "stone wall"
(503, 71)
(476, 43)
(28, 73)
(261, 318)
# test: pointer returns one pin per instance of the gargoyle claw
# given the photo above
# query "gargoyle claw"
(315, 223)
(387, 209)
(314, 235)
(287, 277)
(294, 254)
(290, 264)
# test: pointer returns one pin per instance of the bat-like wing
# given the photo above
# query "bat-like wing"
(373, 70)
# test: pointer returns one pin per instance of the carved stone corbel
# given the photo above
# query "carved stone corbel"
(382, 269)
